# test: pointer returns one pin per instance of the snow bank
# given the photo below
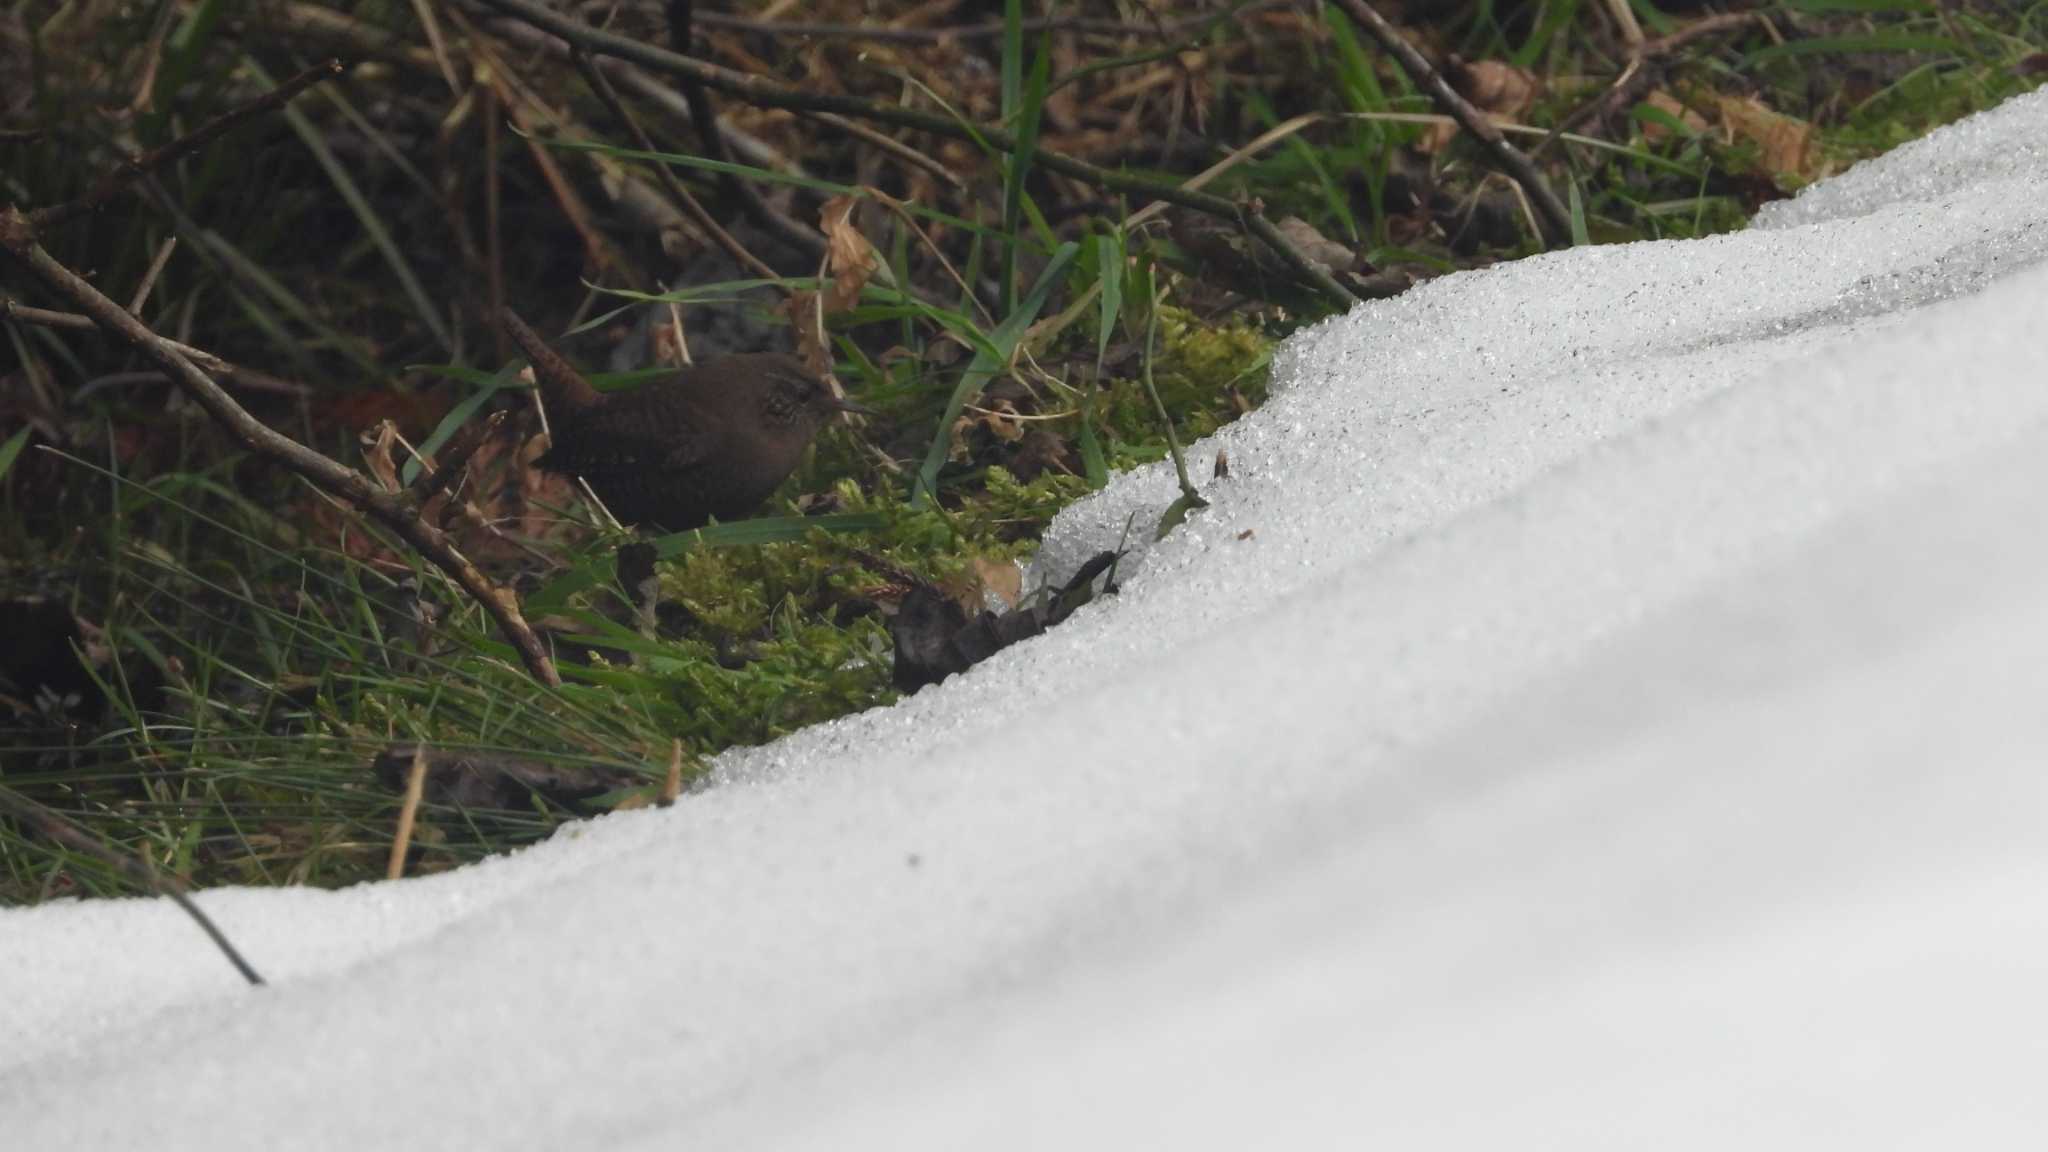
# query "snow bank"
(1596, 710)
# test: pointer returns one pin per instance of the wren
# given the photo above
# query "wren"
(714, 440)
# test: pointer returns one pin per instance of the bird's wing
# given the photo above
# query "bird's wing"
(686, 451)
(629, 437)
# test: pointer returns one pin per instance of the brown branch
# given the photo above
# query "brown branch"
(768, 93)
(472, 437)
(156, 269)
(1505, 155)
(637, 83)
(59, 830)
(408, 812)
(346, 484)
(737, 192)
(128, 171)
(987, 30)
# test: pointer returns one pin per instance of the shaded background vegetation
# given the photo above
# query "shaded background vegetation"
(212, 665)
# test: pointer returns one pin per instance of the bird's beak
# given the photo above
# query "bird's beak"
(842, 404)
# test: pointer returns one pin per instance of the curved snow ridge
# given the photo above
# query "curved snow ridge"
(778, 930)
(1376, 409)
(1996, 145)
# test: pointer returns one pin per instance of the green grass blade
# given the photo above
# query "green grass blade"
(1844, 45)
(1023, 105)
(988, 361)
(12, 449)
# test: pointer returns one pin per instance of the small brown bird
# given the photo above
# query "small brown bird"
(713, 440)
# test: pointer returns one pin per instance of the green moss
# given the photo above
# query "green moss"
(1207, 376)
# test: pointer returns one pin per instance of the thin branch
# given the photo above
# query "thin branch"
(156, 269)
(225, 371)
(767, 93)
(472, 437)
(1505, 155)
(987, 30)
(57, 829)
(737, 191)
(130, 170)
(408, 812)
(893, 146)
(338, 480)
(595, 78)
(672, 785)
(1642, 70)
(654, 90)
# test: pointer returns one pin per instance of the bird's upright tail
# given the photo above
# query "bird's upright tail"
(564, 388)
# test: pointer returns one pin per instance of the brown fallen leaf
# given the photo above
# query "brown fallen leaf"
(1665, 102)
(379, 446)
(1784, 142)
(934, 637)
(1495, 87)
(1001, 579)
(850, 261)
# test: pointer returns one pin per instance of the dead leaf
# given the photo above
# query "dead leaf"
(1665, 102)
(1002, 420)
(802, 310)
(1001, 579)
(849, 259)
(935, 637)
(1785, 142)
(1499, 89)
(1495, 87)
(378, 445)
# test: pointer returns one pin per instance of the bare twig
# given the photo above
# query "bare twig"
(676, 189)
(737, 192)
(128, 171)
(425, 13)
(672, 786)
(1642, 71)
(457, 457)
(1625, 20)
(156, 269)
(655, 90)
(231, 374)
(338, 480)
(1505, 155)
(772, 94)
(987, 30)
(893, 146)
(494, 239)
(408, 812)
(56, 828)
